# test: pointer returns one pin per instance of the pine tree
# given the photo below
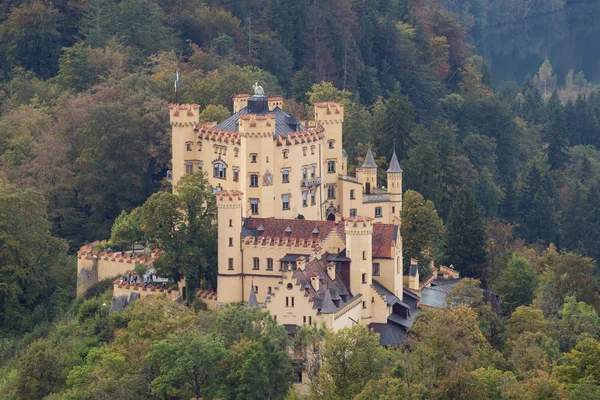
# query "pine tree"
(575, 220)
(555, 133)
(466, 237)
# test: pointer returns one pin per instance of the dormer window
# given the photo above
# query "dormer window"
(253, 158)
(315, 233)
(288, 231)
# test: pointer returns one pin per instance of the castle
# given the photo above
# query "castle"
(296, 234)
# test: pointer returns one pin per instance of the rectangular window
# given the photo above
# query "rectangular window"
(313, 171)
(188, 146)
(256, 289)
(269, 264)
(285, 176)
(253, 180)
(236, 175)
(304, 319)
(309, 320)
(269, 290)
(292, 302)
(364, 304)
(364, 255)
(189, 168)
(330, 167)
(253, 158)
(352, 194)
(287, 301)
(353, 212)
(330, 143)
(200, 165)
(330, 192)
(304, 199)
(230, 264)
(364, 278)
(254, 206)
(230, 242)
(378, 212)
(375, 269)
(313, 198)
(285, 153)
(304, 173)
(230, 223)
(286, 201)
(393, 210)
(220, 171)
(256, 264)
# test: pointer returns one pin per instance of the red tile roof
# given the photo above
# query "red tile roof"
(383, 234)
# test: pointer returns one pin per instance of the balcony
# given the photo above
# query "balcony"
(311, 182)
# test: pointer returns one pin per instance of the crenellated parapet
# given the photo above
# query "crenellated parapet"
(329, 113)
(184, 115)
(358, 225)
(230, 199)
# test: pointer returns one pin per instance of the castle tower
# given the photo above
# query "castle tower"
(367, 173)
(331, 117)
(359, 248)
(229, 279)
(258, 130)
(184, 140)
(394, 186)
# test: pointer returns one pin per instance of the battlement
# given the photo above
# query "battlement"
(358, 225)
(229, 198)
(257, 125)
(329, 113)
(184, 114)
(283, 242)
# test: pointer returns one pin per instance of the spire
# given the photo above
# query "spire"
(394, 164)
(369, 160)
(252, 302)
(327, 306)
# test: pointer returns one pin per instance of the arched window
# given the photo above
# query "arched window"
(220, 171)
(236, 152)
(312, 149)
(285, 153)
(199, 146)
(304, 151)
(313, 170)
(189, 168)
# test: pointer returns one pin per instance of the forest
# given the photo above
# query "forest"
(503, 183)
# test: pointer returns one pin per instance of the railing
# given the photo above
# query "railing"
(309, 182)
(376, 197)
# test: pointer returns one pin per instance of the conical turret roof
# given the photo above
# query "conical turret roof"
(394, 164)
(252, 301)
(327, 307)
(369, 160)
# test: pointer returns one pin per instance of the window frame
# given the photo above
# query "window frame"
(331, 166)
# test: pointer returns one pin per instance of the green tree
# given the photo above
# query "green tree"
(577, 321)
(466, 237)
(127, 229)
(526, 319)
(581, 364)
(516, 283)
(556, 133)
(421, 228)
(353, 357)
(41, 371)
(30, 37)
(327, 92)
(188, 365)
(467, 293)
(182, 226)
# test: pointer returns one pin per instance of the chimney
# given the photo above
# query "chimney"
(331, 270)
(301, 263)
(314, 281)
